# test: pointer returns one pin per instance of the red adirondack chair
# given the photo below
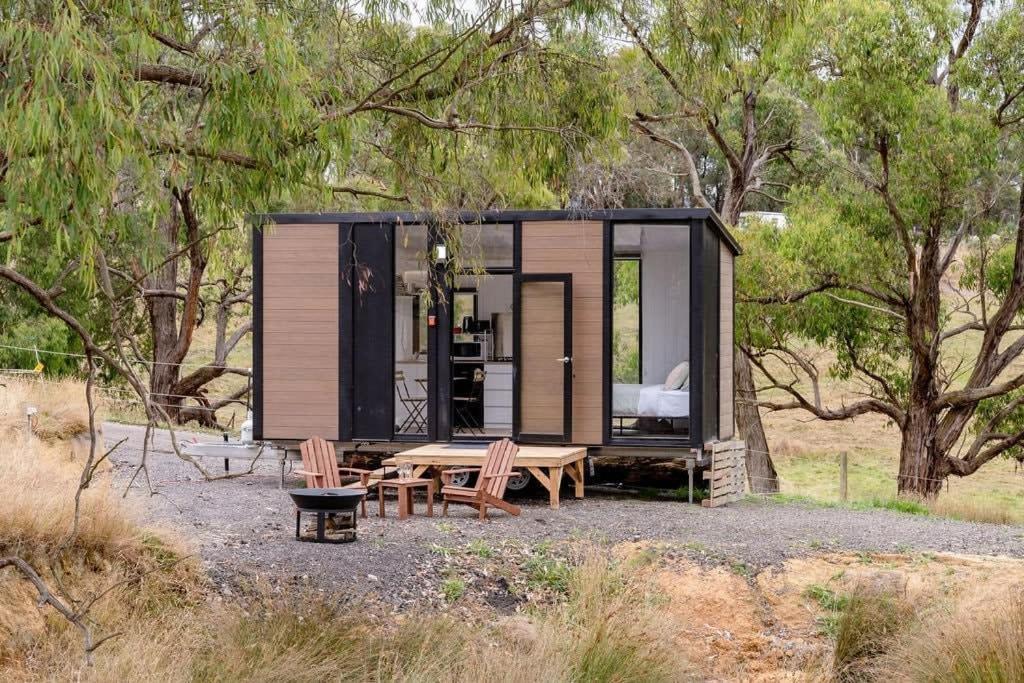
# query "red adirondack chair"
(321, 469)
(489, 489)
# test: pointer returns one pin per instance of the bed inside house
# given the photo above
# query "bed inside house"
(650, 400)
(650, 332)
(650, 409)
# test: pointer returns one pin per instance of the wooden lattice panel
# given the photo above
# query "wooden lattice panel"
(727, 474)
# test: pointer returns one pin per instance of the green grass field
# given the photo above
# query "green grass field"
(806, 454)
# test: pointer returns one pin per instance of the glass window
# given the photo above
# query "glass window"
(475, 248)
(412, 301)
(626, 330)
(650, 331)
(481, 280)
(463, 307)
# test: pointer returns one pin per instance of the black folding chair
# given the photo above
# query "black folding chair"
(414, 420)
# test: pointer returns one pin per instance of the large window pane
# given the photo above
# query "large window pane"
(482, 330)
(650, 331)
(626, 331)
(411, 304)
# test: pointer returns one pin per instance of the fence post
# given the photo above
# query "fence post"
(842, 475)
(30, 413)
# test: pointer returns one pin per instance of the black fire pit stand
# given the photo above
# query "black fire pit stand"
(346, 518)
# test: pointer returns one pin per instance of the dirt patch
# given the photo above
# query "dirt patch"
(769, 627)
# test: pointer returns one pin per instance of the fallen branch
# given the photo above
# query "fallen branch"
(46, 597)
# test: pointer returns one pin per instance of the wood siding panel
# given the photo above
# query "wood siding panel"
(726, 417)
(577, 248)
(299, 289)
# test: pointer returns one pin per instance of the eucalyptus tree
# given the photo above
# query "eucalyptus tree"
(136, 136)
(906, 261)
(706, 86)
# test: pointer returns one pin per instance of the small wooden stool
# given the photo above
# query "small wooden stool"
(404, 488)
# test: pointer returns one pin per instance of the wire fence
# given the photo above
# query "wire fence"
(125, 400)
(861, 486)
(136, 361)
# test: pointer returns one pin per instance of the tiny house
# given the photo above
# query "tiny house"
(610, 329)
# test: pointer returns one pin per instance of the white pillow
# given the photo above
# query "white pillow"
(678, 378)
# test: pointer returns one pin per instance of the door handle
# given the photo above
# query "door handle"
(565, 359)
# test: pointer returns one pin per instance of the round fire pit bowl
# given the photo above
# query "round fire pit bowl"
(327, 500)
(339, 505)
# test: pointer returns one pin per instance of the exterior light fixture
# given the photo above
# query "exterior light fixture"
(441, 253)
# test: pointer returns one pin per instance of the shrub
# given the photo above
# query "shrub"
(453, 589)
(833, 605)
(546, 571)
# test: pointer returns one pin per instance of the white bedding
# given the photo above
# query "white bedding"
(651, 400)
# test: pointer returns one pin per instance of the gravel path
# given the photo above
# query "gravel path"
(243, 529)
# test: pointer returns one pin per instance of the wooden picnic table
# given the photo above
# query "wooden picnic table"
(546, 463)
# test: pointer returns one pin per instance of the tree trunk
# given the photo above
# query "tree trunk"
(163, 325)
(921, 470)
(172, 336)
(760, 468)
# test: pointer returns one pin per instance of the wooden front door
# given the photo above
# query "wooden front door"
(542, 377)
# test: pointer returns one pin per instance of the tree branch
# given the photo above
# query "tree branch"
(869, 405)
(46, 597)
(691, 166)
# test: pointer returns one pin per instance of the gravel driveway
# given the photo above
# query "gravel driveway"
(243, 529)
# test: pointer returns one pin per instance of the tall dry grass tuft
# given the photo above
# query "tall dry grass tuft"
(615, 626)
(871, 618)
(973, 643)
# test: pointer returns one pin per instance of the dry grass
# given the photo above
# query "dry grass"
(975, 509)
(606, 630)
(972, 643)
(38, 480)
(61, 407)
(40, 474)
(870, 619)
(965, 624)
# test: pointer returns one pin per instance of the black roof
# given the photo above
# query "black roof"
(501, 216)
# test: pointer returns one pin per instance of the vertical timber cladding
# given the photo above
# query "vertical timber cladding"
(299, 291)
(577, 248)
(726, 406)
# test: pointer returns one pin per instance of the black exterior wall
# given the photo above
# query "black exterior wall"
(346, 359)
(709, 326)
(439, 348)
(367, 337)
(257, 332)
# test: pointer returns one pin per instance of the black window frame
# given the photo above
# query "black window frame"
(696, 432)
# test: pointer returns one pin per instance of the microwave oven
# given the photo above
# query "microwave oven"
(469, 350)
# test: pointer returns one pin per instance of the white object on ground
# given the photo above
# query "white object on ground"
(246, 436)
